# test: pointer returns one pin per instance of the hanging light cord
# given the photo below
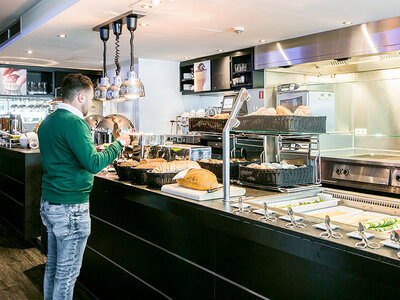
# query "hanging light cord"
(117, 71)
(104, 59)
(132, 56)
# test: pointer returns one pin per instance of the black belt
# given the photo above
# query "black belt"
(52, 203)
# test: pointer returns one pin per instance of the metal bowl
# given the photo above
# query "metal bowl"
(93, 120)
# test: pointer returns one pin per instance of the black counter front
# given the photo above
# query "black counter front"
(146, 244)
(20, 182)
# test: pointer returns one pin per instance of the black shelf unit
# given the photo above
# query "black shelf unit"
(52, 76)
(223, 72)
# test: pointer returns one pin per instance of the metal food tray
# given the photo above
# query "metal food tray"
(283, 124)
(277, 177)
(207, 124)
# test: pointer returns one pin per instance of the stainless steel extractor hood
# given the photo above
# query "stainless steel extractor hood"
(358, 40)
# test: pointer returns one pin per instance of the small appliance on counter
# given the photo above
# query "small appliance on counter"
(179, 152)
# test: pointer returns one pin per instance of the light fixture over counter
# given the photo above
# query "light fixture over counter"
(132, 88)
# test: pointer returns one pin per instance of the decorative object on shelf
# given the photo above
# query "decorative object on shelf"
(13, 81)
(202, 78)
(100, 92)
(132, 88)
(113, 91)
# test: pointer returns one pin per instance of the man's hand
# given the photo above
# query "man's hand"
(124, 138)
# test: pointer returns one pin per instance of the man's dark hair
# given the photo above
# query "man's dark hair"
(74, 84)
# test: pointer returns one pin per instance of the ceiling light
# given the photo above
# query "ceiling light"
(29, 51)
(220, 50)
(262, 41)
(113, 92)
(62, 35)
(347, 22)
(132, 88)
(100, 92)
(186, 57)
(155, 2)
(146, 6)
(144, 24)
(6, 62)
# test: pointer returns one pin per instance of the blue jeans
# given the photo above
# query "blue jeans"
(68, 228)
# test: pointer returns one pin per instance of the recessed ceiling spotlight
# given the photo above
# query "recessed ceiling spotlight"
(6, 62)
(262, 41)
(29, 51)
(146, 6)
(347, 22)
(155, 2)
(144, 24)
(62, 36)
(186, 57)
(220, 50)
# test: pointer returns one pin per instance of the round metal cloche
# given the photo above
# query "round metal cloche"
(107, 124)
(93, 120)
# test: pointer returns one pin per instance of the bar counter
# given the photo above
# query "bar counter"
(150, 244)
(20, 182)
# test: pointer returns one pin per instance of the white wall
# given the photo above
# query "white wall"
(163, 101)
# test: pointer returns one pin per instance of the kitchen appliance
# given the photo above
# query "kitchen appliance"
(15, 124)
(103, 132)
(179, 152)
(375, 172)
(228, 100)
(322, 103)
(183, 139)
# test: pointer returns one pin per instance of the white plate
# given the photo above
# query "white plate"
(391, 244)
(261, 212)
(347, 210)
(287, 218)
(356, 235)
(322, 226)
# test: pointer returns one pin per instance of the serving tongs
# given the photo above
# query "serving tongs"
(293, 223)
(329, 231)
(241, 209)
(365, 242)
(267, 216)
(395, 237)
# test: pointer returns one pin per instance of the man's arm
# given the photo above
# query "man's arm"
(79, 139)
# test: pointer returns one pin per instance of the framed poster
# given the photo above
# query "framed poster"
(12, 81)
(202, 76)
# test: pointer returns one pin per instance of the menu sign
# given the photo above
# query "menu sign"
(202, 78)
(12, 81)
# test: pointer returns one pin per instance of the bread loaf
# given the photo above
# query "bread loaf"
(282, 111)
(175, 166)
(149, 165)
(303, 111)
(199, 179)
(150, 160)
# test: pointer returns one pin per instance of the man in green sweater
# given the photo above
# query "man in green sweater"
(69, 160)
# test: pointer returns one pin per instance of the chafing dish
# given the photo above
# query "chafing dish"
(103, 131)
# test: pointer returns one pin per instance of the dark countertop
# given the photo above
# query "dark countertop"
(384, 254)
(20, 150)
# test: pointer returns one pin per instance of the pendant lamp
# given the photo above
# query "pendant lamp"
(132, 88)
(113, 92)
(100, 92)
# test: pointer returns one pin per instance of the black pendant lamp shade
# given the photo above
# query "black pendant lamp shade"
(132, 88)
(113, 92)
(100, 92)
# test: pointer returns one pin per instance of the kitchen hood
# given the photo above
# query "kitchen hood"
(358, 40)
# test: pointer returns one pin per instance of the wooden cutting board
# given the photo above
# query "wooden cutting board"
(178, 190)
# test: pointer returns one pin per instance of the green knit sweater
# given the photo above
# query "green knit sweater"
(69, 158)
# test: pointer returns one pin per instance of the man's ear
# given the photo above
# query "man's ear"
(81, 98)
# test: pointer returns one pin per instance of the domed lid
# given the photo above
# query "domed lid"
(93, 120)
(108, 123)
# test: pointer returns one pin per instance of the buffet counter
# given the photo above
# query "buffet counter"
(20, 181)
(158, 245)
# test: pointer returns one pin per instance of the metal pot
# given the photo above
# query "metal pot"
(103, 132)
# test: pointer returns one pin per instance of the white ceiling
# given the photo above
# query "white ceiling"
(11, 10)
(185, 28)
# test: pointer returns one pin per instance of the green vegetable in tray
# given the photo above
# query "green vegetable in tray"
(300, 204)
(385, 222)
(387, 228)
